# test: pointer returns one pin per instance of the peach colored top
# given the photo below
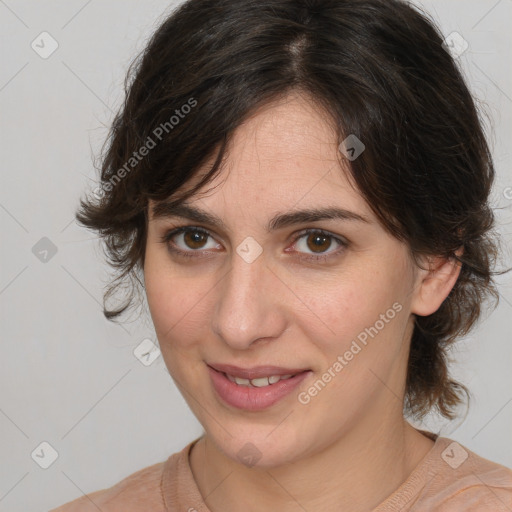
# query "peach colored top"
(450, 478)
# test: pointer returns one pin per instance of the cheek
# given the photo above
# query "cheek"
(362, 347)
(176, 312)
(361, 306)
(163, 296)
(178, 304)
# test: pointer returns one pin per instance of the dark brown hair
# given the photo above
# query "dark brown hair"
(378, 70)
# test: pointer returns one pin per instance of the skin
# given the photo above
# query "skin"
(349, 447)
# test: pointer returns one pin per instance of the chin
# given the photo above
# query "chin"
(258, 446)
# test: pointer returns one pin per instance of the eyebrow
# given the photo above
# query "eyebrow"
(165, 209)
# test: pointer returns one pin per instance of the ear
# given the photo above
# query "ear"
(433, 285)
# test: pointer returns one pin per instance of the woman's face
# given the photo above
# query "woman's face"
(250, 293)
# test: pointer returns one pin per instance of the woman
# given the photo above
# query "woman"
(301, 188)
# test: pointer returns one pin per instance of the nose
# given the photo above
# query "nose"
(249, 304)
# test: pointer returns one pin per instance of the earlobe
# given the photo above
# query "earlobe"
(434, 285)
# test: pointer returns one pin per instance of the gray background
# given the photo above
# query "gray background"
(69, 377)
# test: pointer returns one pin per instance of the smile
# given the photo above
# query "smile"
(260, 382)
(256, 389)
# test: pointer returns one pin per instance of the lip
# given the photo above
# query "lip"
(254, 399)
(255, 372)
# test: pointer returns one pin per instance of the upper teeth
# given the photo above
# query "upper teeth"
(260, 382)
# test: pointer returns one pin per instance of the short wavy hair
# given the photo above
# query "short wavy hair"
(378, 69)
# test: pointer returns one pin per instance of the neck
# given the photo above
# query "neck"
(356, 472)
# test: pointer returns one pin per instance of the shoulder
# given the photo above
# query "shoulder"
(139, 491)
(464, 481)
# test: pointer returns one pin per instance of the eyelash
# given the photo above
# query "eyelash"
(167, 238)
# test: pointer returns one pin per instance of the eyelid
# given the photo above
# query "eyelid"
(169, 234)
(308, 231)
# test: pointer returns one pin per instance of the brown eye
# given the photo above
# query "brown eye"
(318, 242)
(310, 244)
(189, 241)
(314, 245)
(195, 239)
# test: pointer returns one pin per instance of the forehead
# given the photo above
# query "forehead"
(284, 156)
(283, 139)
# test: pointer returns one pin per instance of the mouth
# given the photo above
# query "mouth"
(258, 376)
(254, 389)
